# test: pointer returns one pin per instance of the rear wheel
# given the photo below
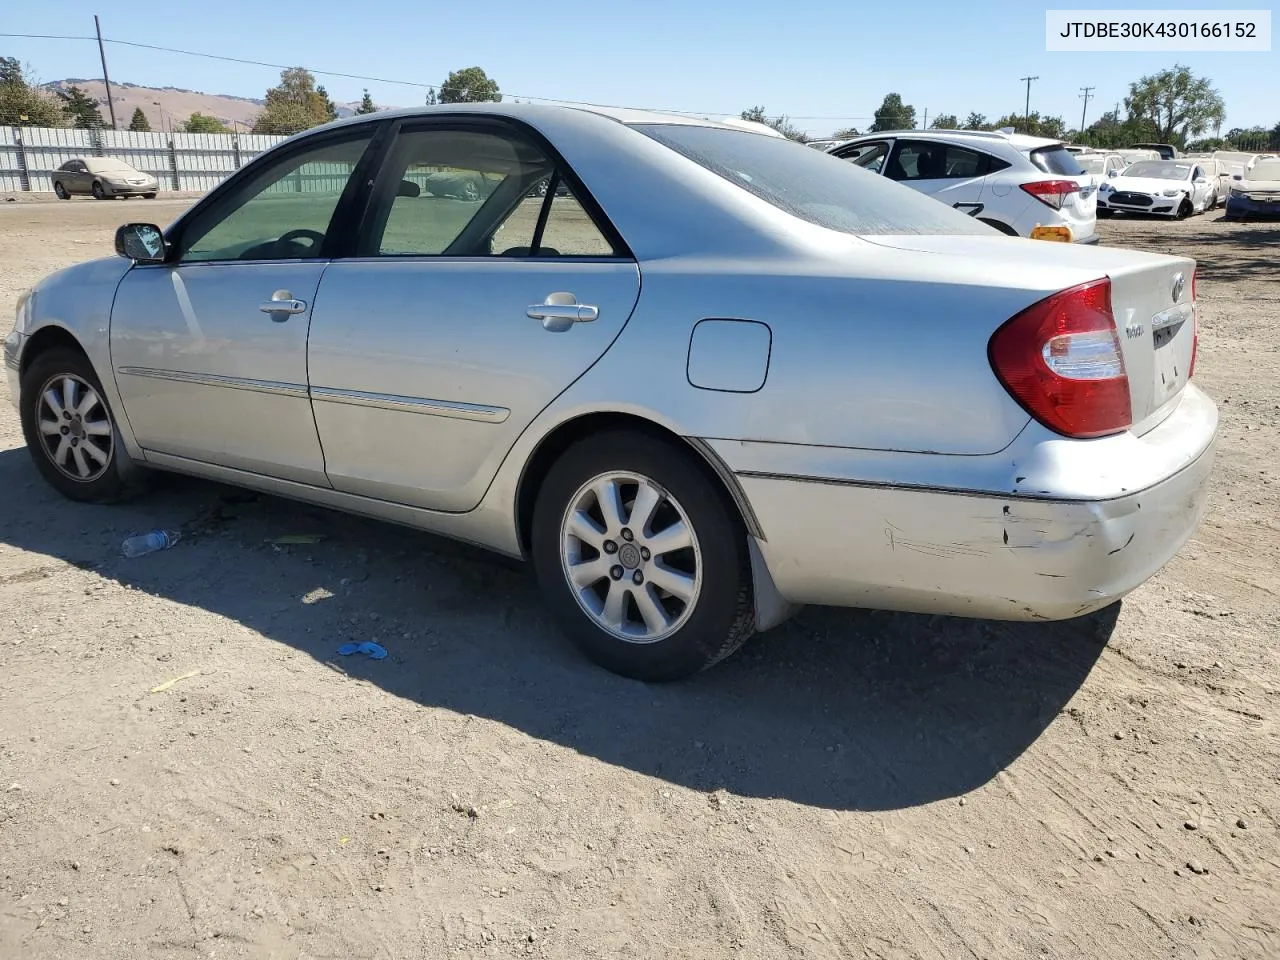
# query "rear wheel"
(98, 192)
(60, 191)
(69, 428)
(1105, 214)
(641, 558)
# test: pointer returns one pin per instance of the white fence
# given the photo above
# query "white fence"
(180, 161)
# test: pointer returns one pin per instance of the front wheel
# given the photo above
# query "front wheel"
(641, 558)
(69, 428)
(98, 192)
(1185, 209)
(149, 196)
(1104, 214)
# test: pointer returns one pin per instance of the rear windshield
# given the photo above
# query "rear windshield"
(813, 185)
(1057, 160)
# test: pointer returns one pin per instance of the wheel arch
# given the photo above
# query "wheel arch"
(48, 338)
(563, 435)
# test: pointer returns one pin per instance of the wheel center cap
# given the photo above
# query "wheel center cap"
(77, 429)
(629, 556)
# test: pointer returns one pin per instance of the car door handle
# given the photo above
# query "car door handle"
(576, 312)
(284, 304)
(561, 311)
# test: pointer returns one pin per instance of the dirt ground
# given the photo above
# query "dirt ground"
(854, 784)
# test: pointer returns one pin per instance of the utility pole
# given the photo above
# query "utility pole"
(926, 119)
(1028, 111)
(1084, 92)
(111, 106)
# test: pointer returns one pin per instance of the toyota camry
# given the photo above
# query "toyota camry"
(704, 377)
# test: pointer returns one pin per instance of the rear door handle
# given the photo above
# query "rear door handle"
(561, 311)
(283, 304)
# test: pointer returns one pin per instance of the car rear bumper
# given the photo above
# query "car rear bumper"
(845, 542)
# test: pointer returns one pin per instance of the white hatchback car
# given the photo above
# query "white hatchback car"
(1169, 188)
(1023, 186)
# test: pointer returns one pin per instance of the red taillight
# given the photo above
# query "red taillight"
(1052, 192)
(1195, 328)
(1061, 360)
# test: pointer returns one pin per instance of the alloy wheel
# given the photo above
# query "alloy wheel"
(631, 557)
(75, 428)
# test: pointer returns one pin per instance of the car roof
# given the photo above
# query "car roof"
(1019, 141)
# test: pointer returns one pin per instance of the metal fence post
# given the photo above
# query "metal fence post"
(24, 171)
(173, 161)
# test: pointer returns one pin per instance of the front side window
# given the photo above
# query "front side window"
(475, 193)
(816, 187)
(282, 213)
(869, 156)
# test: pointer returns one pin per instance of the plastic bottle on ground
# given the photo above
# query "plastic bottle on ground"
(151, 542)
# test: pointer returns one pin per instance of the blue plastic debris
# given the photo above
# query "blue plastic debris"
(367, 647)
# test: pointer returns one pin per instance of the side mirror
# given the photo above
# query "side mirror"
(1113, 173)
(1237, 176)
(141, 243)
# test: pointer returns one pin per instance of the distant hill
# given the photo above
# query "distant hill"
(167, 107)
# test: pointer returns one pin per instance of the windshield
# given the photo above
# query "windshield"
(811, 185)
(1159, 170)
(108, 165)
(1264, 170)
(1091, 164)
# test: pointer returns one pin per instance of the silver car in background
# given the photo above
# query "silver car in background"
(718, 376)
(103, 178)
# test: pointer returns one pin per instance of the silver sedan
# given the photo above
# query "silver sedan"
(705, 377)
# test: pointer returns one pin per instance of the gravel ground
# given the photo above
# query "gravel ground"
(854, 784)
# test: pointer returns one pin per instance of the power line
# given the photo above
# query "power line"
(403, 83)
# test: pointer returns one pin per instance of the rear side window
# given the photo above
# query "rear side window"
(814, 186)
(1057, 160)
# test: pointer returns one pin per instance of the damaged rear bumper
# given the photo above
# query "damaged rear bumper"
(1021, 556)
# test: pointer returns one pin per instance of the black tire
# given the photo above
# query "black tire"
(1105, 214)
(149, 196)
(1004, 228)
(113, 482)
(1185, 209)
(60, 191)
(98, 192)
(723, 612)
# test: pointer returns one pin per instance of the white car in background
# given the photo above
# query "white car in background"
(1023, 186)
(1168, 188)
(1133, 156)
(1104, 165)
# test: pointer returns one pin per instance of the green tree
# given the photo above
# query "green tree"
(782, 124)
(1175, 103)
(82, 111)
(366, 104)
(294, 105)
(139, 123)
(848, 133)
(330, 110)
(203, 123)
(975, 121)
(894, 115)
(22, 102)
(1035, 125)
(945, 121)
(469, 85)
(432, 99)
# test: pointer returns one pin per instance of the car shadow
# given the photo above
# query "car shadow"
(837, 709)
(1228, 255)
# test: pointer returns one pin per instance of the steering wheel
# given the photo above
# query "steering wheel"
(302, 233)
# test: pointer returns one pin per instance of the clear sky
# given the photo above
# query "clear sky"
(826, 64)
